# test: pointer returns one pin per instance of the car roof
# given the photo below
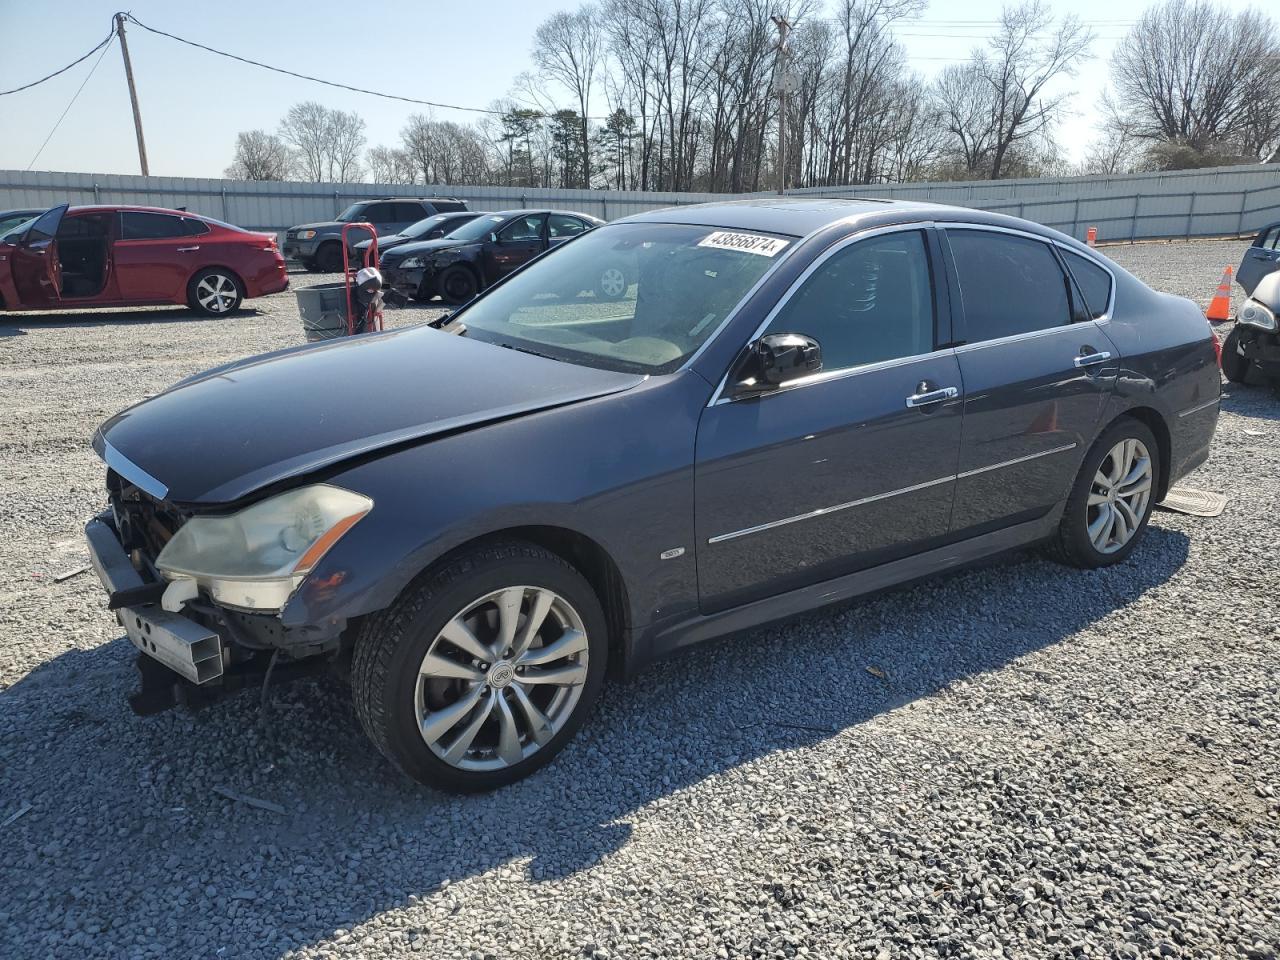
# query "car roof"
(801, 216)
(114, 207)
(519, 210)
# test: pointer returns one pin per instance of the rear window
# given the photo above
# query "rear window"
(1094, 282)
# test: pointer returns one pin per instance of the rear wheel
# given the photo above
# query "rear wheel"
(214, 292)
(1235, 366)
(483, 669)
(1110, 502)
(329, 257)
(457, 285)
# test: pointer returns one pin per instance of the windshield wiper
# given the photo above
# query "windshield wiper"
(534, 353)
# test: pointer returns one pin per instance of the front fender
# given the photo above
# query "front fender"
(617, 470)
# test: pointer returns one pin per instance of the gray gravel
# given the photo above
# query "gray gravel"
(1055, 763)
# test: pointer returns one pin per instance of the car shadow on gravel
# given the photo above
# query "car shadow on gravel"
(129, 831)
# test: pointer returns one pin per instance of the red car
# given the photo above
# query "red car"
(135, 256)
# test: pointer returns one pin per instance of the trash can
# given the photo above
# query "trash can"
(324, 310)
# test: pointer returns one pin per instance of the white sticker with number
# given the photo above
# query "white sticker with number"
(744, 242)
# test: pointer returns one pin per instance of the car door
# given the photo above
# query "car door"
(851, 467)
(1037, 369)
(155, 255)
(1261, 258)
(562, 227)
(518, 241)
(34, 265)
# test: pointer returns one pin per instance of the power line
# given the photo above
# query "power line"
(105, 47)
(35, 83)
(302, 76)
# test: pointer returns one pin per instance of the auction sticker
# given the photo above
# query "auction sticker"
(744, 242)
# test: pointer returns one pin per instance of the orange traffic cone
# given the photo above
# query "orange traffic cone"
(1220, 305)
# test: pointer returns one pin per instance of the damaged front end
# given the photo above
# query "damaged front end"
(194, 646)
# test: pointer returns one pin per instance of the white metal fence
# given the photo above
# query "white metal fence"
(1220, 201)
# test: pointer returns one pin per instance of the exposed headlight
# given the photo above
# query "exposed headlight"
(306, 234)
(1256, 315)
(256, 558)
(411, 263)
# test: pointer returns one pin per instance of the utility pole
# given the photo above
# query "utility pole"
(782, 77)
(133, 95)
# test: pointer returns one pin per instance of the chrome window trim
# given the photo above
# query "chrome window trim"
(920, 225)
(126, 468)
(823, 511)
(1051, 241)
(1200, 406)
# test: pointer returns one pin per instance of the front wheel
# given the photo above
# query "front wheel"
(329, 258)
(457, 285)
(482, 670)
(1235, 366)
(214, 292)
(1110, 502)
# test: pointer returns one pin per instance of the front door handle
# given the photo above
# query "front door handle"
(1089, 359)
(926, 396)
(188, 249)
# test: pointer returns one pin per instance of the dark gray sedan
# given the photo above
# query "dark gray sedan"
(794, 402)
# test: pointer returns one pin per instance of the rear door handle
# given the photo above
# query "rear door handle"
(188, 249)
(927, 397)
(1089, 359)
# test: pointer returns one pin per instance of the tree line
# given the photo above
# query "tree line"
(688, 99)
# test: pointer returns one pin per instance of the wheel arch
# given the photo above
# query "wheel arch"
(232, 271)
(581, 552)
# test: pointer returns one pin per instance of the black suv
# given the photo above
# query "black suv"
(318, 246)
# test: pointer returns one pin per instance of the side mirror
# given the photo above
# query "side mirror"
(773, 360)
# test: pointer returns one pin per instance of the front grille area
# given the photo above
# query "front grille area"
(143, 523)
(291, 234)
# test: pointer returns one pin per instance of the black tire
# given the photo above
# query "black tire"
(1234, 366)
(457, 285)
(1071, 543)
(329, 257)
(612, 283)
(311, 266)
(391, 646)
(215, 292)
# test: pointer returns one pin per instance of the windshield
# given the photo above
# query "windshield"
(422, 227)
(637, 297)
(352, 212)
(477, 229)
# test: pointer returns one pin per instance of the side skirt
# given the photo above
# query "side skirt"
(894, 574)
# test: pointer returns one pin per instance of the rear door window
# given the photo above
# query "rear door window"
(871, 301)
(1009, 285)
(409, 212)
(135, 225)
(558, 225)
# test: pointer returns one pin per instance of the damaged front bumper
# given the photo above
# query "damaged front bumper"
(199, 659)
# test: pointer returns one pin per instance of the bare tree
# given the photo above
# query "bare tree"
(1027, 54)
(444, 152)
(346, 144)
(1200, 79)
(259, 156)
(389, 165)
(305, 128)
(567, 49)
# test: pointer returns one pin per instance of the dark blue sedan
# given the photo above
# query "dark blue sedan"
(791, 403)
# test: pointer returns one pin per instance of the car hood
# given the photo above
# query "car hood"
(418, 247)
(223, 434)
(325, 225)
(390, 240)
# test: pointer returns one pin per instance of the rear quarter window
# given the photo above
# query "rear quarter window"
(1094, 282)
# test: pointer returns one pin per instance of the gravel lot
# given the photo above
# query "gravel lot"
(1054, 763)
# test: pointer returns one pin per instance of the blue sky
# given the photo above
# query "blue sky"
(193, 103)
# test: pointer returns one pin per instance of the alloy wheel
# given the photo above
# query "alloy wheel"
(217, 293)
(501, 678)
(612, 282)
(1119, 496)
